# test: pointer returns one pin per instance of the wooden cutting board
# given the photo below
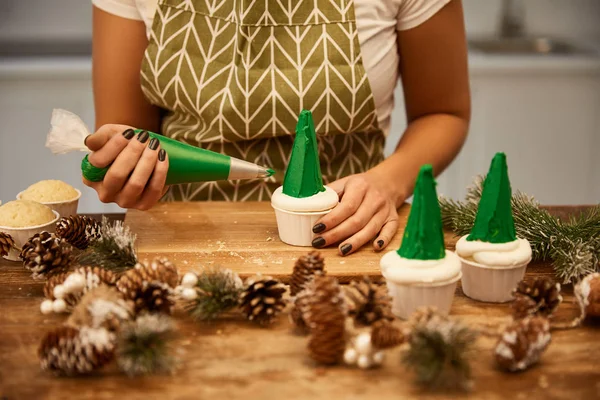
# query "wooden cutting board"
(239, 236)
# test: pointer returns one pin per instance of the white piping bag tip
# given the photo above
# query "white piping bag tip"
(67, 134)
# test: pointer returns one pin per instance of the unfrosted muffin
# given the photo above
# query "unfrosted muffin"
(25, 213)
(49, 191)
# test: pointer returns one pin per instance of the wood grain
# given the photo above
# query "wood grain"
(231, 359)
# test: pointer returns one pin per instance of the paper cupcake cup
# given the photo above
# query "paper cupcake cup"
(407, 298)
(63, 208)
(295, 228)
(491, 284)
(22, 235)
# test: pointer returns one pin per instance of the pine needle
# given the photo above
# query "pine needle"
(114, 250)
(144, 345)
(438, 354)
(217, 291)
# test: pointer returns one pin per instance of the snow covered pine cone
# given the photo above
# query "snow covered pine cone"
(93, 276)
(72, 351)
(304, 270)
(537, 296)
(522, 344)
(44, 253)
(6, 243)
(587, 293)
(326, 318)
(368, 302)
(262, 299)
(102, 307)
(78, 230)
(150, 286)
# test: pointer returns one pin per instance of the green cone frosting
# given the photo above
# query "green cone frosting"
(494, 221)
(303, 175)
(423, 237)
(186, 163)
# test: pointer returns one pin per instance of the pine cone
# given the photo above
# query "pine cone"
(71, 351)
(44, 253)
(304, 270)
(543, 291)
(587, 292)
(326, 318)
(385, 335)
(6, 243)
(368, 302)
(262, 299)
(522, 343)
(78, 230)
(299, 309)
(150, 286)
(101, 307)
(94, 276)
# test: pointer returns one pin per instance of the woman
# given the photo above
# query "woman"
(232, 76)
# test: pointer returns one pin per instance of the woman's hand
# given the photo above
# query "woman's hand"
(138, 166)
(367, 211)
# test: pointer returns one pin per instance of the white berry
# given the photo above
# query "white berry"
(378, 358)
(189, 293)
(350, 356)
(363, 343)
(59, 306)
(189, 280)
(46, 306)
(75, 283)
(364, 362)
(59, 291)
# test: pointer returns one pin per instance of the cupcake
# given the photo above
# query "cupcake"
(58, 195)
(303, 198)
(24, 218)
(422, 272)
(493, 258)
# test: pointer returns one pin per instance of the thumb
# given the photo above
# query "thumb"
(98, 139)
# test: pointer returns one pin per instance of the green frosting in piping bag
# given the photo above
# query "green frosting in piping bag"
(303, 175)
(423, 237)
(494, 221)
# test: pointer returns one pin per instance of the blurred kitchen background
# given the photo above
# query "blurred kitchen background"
(535, 79)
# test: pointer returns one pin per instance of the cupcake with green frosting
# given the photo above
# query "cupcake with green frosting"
(493, 258)
(302, 199)
(422, 272)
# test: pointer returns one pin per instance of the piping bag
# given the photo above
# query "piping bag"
(187, 163)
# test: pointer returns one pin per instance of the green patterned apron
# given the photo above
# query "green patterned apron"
(233, 76)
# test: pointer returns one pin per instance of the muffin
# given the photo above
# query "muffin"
(493, 258)
(24, 218)
(302, 199)
(422, 273)
(58, 195)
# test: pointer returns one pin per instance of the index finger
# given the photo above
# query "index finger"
(98, 139)
(351, 201)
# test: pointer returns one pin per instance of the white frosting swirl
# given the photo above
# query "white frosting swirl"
(403, 270)
(321, 201)
(517, 252)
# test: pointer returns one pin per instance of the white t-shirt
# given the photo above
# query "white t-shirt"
(377, 22)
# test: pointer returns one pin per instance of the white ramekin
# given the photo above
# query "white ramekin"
(491, 284)
(407, 298)
(295, 228)
(22, 235)
(63, 208)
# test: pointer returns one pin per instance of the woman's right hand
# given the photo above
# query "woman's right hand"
(138, 167)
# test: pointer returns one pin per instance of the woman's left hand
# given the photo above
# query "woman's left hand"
(366, 212)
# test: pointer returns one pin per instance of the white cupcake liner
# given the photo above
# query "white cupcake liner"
(295, 228)
(407, 298)
(63, 208)
(491, 284)
(22, 235)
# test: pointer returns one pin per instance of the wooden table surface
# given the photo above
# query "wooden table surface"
(233, 359)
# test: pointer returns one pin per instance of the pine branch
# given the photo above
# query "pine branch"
(217, 291)
(114, 250)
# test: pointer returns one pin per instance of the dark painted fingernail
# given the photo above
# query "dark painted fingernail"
(153, 144)
(85, 140)
(380, 243)
(318, 228)
(347, 248)
(318, 242)
(162, 154)
(143, 136)
(129, 133)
